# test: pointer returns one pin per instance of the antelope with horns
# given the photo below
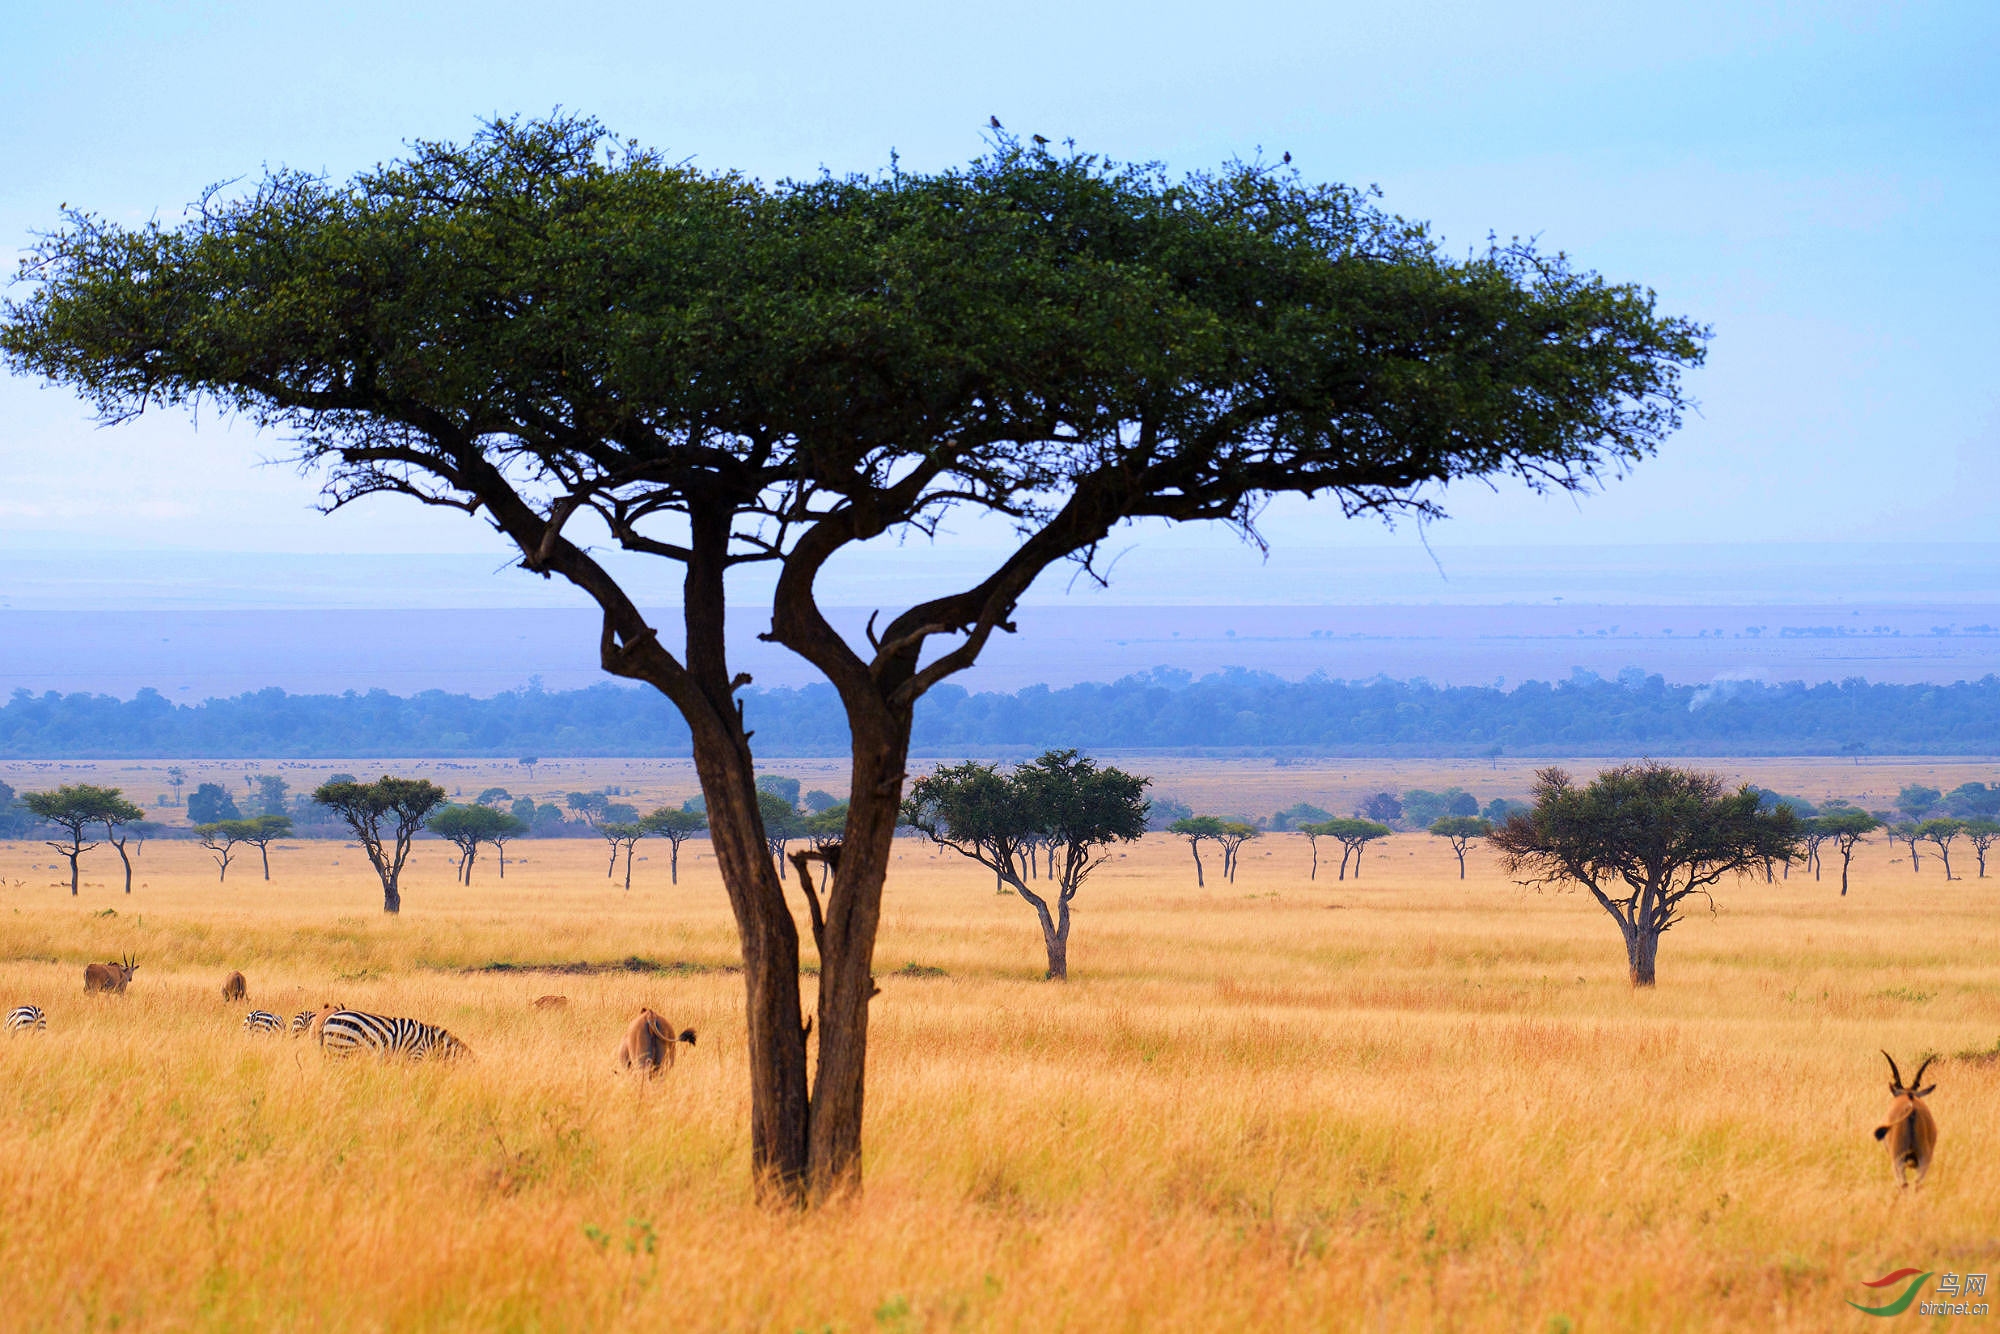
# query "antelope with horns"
(110, 976)
(649, 1043)
(1910, 1132)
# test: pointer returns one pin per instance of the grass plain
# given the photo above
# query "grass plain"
(1404, 1102)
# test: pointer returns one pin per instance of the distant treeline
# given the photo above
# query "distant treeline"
(1230, 712)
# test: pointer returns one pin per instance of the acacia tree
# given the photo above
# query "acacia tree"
(1847, 827)
(1232, 835)
(622, 835)
(582, 342)
(1062, 800)
(1980, 833)
(1643, 839)
(1459, 831)
(220, 837)
(74, 808)
(403, 804)
(264, 830)
(1354, 835)
(677, 827)
(1195, 828)
(467, 826)
(122, 820)
(1941, 833)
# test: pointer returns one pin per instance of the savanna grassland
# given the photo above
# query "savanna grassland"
(1404, 1103)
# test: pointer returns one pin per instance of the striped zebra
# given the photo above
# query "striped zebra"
(302, 1021)
(349, 1031)
(28, 1019)
(262, 1021)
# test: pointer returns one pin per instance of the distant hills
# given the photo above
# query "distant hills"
(1228, 712)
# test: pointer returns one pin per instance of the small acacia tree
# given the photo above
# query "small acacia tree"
(122, 820)
(1354, 834)
(399, 804)
(676, 827)
(74, 808)
(1643, 839)
(1460, 831)
(264, 830)
(1980, 833)
(1847, 828)
(465, 827)
(1063, 799)
(220, 837)
(622, 835)
(583, 342)
(1941, 833)
(1195, 828)
(1232, 835)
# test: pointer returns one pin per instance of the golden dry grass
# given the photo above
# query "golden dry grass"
(1403, 1104)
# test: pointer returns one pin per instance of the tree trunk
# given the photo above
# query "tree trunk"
(1642, 945)
(73, 873)
(674, 863)
(128, 864)
(1461, 862)
(263, 850)
(1199, 881)
(628, 868)
(1846, 856)
(392, 897)
(1315, 870)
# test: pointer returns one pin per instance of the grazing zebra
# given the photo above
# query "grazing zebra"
(347, 1031)
(303, 1020)
(27, 1018)
(262, 1021)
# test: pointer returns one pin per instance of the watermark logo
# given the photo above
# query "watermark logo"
(1951, 1297)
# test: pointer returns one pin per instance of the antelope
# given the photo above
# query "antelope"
(110, 976)
(234, 988)
(551, 1002)
(307, 1023)
(649, 1043)
(1910, 1133)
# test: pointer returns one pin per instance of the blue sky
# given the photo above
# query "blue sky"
(1817, 181)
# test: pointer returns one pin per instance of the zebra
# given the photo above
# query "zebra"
(349, 1031)
(262, 1021)
(27, 1018)
(303, 1021)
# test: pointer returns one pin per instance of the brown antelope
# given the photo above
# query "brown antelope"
(1910, 1133)
(649, 1043)
(551, 1002)
(234, 988)
(315, 1020)
(110, 976)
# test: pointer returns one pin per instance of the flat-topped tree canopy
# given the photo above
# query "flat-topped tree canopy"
(577, 340)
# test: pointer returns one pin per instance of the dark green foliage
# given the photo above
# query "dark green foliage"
(1295, 815)
(816, 800)
(1422, 809)
(1917, 801)
(1973, 801)
(785, 789)
(1501, 809)
(1162, 812)
(1383, 808)
(1643, 839)
(1848, 828)
(210, 803)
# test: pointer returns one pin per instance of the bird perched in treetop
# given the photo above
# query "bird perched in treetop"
(1288, 159)
(1040, 142)
(994, 121)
